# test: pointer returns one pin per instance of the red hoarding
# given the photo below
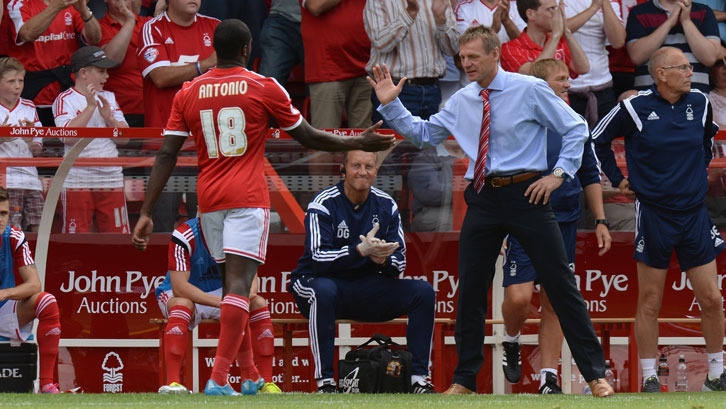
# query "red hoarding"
(105, 290)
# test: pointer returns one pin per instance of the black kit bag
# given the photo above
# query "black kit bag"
(382, 368)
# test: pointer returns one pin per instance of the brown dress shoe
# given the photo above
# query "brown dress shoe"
(600, 388)
(456, 389)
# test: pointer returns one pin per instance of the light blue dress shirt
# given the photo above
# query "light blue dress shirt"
(521, 108)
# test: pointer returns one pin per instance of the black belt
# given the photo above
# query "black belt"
(501, 181)
(420, 81)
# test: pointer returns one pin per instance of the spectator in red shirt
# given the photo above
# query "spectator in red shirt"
(336, 52)
(45, 36)
(174, 47)
(546, 36)
(120, 35)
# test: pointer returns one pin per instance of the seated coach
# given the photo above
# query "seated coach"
(354, 253)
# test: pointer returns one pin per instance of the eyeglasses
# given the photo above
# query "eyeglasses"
(681, 68)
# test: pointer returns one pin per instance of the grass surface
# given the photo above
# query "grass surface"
(300, 400)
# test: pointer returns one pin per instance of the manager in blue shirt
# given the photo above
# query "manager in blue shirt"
(513, 199)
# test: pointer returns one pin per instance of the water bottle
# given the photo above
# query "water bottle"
(681, 375)
(663, 373)
(609, 375)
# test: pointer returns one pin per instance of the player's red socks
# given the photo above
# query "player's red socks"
(175, 341)
(49, 332)
(245, 358)
(233, 316)
(263, 341)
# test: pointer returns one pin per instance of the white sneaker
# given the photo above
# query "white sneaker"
(173, 388)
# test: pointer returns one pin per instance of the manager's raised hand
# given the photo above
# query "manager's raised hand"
(382, 84)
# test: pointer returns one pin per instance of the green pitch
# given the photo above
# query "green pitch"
(712, 400)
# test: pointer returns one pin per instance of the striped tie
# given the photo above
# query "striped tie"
(481, 156)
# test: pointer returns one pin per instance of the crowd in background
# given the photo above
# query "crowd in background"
(334, 44)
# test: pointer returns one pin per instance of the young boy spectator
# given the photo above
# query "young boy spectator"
(546, 36)
(44, 33)
(192, 291)
(86, 104)
(21, 303)
(24, 187)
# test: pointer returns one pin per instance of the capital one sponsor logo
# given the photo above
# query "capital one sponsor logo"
(113, 379)
(56, 37)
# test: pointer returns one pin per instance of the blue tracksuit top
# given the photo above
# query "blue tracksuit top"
(332, 228)
(204, 272)
(667, 147)
(7, 270)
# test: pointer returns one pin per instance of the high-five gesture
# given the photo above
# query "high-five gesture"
(382, 83)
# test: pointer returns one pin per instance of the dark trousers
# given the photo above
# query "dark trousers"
(166, 210)
(492, 214)
(622, 81)
(45, 114)
(374, 298)
(282, 47)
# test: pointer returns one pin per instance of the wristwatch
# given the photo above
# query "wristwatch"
(602, 221)
(90, 16)
(559, 173)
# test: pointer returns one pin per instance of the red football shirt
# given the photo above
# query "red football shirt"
(165, 43)
(125, 80)
(336, 43)
(20, 249)
(179, 256)
(227, 112)
(521, 50)
(51, 49)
